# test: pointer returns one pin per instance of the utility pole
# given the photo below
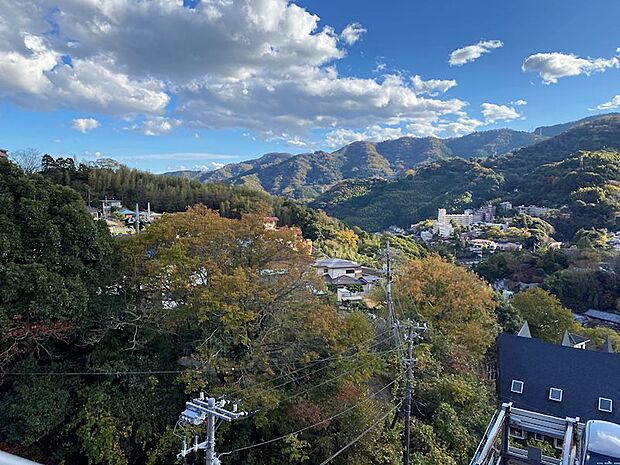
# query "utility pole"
(392, 320)
(201, 410)
(137, 218)
(413, 330)
(413, 333)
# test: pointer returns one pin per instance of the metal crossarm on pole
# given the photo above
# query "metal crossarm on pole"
(206, 410)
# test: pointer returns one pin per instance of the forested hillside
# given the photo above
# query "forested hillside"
(570, 169)
(375, 205)
(107, 178)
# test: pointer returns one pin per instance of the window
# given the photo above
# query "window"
(605, 405)
(350, 271)
(539, 437)
(557, 443)
(516, 386)
(325, 270)
(517, 433)
(555, 394)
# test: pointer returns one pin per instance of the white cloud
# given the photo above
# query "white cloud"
(85, 125)
(553, 66)
(376, 133)
(493, 113)
(464, 55)
(298, 142)
(352, 33)
(423, 127)
(432, 87)
(268, 67)
(155, 126)
(519, 102)
(213, 165)
(613, 104)
(380, 67)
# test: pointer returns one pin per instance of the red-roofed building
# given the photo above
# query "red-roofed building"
(271, 222)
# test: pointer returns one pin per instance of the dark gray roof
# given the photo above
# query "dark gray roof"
(372, 271)
(583, 375)
(604, 316)
(370, 278)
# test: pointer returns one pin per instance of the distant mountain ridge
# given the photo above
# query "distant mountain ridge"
(307, 175)
(579, 167)
(557, 129)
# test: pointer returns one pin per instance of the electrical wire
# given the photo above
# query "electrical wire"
(306, 428)
(101, 373)
(326, 359)
(327, 381)
(176, 372)
(294, 379)
(361, 435)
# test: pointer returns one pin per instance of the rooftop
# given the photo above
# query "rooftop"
(583, 376)
(335, 263)
(605, 316)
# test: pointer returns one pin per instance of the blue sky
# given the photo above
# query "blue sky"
(162, 87)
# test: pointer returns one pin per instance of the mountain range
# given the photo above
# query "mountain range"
(306, 176)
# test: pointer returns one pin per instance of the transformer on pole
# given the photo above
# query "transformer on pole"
(206, 410)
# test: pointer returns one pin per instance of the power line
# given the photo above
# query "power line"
(316, 362)
(176, 372)
(341, 375)
(103, 373)
(364, 433)
(306, 428)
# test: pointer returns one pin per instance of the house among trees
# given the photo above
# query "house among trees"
(4, 154)
(271, 222)
(350, 280)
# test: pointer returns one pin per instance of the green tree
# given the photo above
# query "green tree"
(546, 316)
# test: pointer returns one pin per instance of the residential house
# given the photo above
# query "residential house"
(609, 319)
(481, 245)
(508, 246)
(559, 380)
(350, 280)
(271, 222)
(335, 267)
(4, 154)
(426, 236)
(94, 212)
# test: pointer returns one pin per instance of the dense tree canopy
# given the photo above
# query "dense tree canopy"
(54, 263)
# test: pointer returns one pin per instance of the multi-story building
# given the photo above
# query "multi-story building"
(443, 225)
(533, 210)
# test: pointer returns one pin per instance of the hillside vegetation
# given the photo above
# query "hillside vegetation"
(579, 168)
